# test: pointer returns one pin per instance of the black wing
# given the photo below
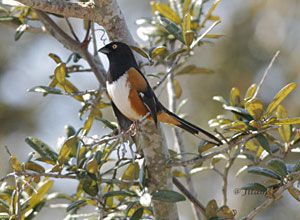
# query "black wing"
(123, 121)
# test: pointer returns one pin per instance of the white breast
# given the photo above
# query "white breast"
(119, 93)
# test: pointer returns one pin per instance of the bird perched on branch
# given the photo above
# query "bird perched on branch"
(132, 97)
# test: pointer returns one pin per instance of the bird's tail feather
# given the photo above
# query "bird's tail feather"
(193, 129)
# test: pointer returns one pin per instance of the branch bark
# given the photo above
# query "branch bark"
(104, 12)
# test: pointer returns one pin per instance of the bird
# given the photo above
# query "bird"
(132, 97)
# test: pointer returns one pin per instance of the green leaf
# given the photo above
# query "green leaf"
(140, 51)
(220, 99)
(287, 121)
(76, 205)
(90, 186)
(168, 196)
(172, 28)
(225, 212)
(296, 168)
(132, 172)
(278, 166)
(70, 145)
(20, 31)
(119, 193)
(42, 190)
(295, 193)
(157, 51)
(263, 172)
(45, 90)
(239, 111)
(263, 142)
(173, 55)
(30, 165)
(279, 97)
(211, 209)
(284, 130)
(255, 108)
(250, 92)
(43, 149)
(137, 214)
(254, 188)
(166, 11)
(193, 69)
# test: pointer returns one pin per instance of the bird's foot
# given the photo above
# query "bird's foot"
(133, 128)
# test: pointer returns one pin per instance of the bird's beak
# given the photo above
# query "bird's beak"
(104, 50)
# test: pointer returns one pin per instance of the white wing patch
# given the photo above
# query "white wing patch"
(119, 93)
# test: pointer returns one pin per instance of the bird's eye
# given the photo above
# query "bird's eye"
(114, 46)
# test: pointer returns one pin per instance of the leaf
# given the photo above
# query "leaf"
(284, 130)
(42, 190)
(172, 28)
(263, 142)
(166, 11)
(173, 55)
(30, 165)
(140, 51)
(70, 88)
(287, 121)
(254, 188)
(186, 6)
(250, 92)
(132, 172)
(118, 193)
(189, 37)
(239, 111)
(76, 205)
(20, 31)
(177, 88)
(137, 214)
(60, 73)
(168, 196)
(279, 97)
(193, 69)
(55, 58)
(205, 147)
(211, 209)
(278, 166)
(43, 149)
(295, 193)
(225, 212)
(69, 145)
(255, 108)
(92, 166)
(263, 172)
(15, 164)
(210, 11)
(88, 124)
(90, 186)
(296, 168)
(157, 51)
(220, 99)
(235, 96)
(45, 90)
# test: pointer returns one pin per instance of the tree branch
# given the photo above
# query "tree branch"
(179, 143)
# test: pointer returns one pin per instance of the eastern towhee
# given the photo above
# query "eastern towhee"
(132, 97)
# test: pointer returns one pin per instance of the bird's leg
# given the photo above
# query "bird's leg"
(133, 128)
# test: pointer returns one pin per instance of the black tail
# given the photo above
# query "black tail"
(193, 129)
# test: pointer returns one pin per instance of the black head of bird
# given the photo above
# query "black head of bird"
(120, 57)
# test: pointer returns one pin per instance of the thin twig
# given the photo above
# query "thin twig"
(270, 200)
(202, 158)
(266, 73)
(197, 204)
(72, 30)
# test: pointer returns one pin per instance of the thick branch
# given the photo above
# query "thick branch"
(72, 45)
(104, 12)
